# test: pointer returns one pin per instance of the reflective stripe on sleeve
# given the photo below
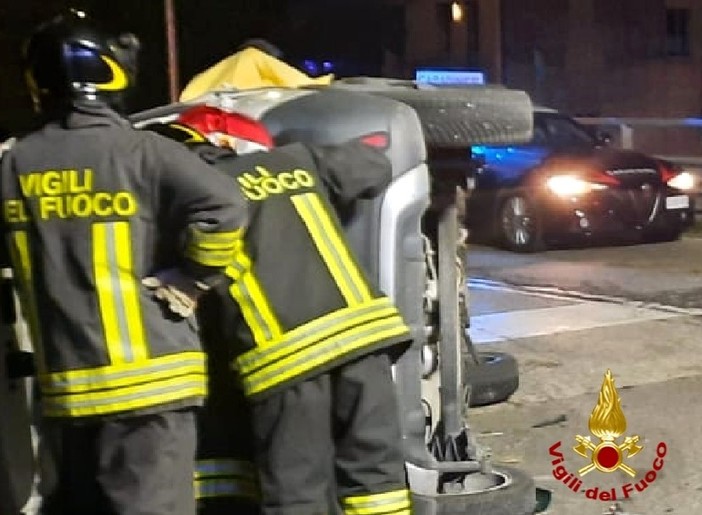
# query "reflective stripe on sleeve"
(226, 478)
(216, 249)
(396, 502)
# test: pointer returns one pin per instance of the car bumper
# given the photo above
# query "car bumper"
(612, 215)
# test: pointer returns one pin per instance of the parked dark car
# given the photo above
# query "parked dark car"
(568, 182)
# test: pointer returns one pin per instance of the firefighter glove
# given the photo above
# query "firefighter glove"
(176, 290)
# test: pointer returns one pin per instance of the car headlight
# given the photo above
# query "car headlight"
(682, 181)
(571, 186)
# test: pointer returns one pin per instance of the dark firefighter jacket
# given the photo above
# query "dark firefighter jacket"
(304, 303)
(90, 207)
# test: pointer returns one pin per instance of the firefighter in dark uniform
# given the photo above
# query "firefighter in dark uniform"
(113, 233)
(226, 479)
(314, 337)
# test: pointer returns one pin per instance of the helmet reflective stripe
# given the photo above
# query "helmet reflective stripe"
(195, 137)
(119, 78)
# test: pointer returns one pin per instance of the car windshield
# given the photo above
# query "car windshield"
(556, 130)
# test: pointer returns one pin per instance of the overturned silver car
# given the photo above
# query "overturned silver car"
(428, 134)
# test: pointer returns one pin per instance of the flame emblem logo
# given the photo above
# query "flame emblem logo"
(607, 423)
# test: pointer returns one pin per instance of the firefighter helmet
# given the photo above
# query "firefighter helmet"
(68, 58)
(209, 124)
(177, 132)
(228, 129)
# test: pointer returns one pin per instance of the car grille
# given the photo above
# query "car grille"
(638, 195)
(644, 202)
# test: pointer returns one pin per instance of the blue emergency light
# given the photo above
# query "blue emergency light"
(448, 77)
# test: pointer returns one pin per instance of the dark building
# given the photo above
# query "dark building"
(599, 57)
(602, 57)
(605, 57)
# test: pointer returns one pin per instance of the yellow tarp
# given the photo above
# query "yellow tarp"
(247, 69)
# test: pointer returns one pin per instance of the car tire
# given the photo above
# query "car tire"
(493, 379)
(517, 496)
(517, 224)
(455, 117)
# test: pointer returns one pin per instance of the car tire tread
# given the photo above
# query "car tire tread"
(493, 380)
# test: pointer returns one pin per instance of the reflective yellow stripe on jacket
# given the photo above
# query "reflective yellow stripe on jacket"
(118, 293)
(123, 387)
(252, 300)
(396, 502)
(281, 356)
(22, 261)
(215, 249)
(226, 478)
(332, 248)
(312, 345)
(132, 378)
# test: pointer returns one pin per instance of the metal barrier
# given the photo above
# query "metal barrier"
(628, 125)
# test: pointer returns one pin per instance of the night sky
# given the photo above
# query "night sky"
(346, 32)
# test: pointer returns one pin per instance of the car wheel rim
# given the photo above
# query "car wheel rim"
(517, 221)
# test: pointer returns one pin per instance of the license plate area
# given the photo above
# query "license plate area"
(677, 202)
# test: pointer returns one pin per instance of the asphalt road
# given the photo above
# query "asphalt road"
(569, 316)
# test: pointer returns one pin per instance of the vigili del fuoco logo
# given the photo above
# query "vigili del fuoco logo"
(607, 450)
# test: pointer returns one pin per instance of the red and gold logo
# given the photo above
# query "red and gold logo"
(607, 423)
(608, 451)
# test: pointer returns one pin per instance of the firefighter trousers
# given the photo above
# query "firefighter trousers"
(140, 465)
(226, 481)
(332, 444)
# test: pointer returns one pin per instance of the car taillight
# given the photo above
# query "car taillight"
(677, 179)
(682, 181)
(667, 174)
(376, 139)
(600, 177)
